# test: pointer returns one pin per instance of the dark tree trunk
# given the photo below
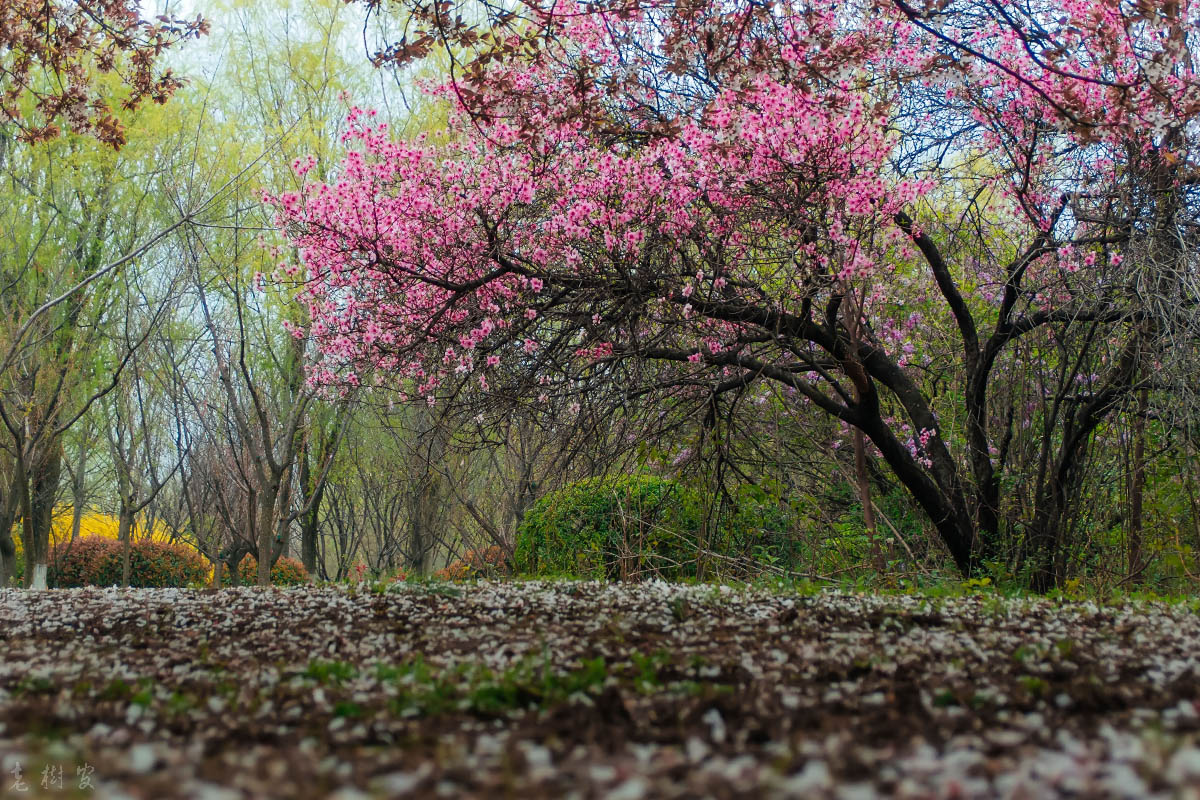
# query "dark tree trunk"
(125, 536)
(43, 490)
(949, 514)
(231, 558)
(1137, 487)
(8, 547)
(309, 529)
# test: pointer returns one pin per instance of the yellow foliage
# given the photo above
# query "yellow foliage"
(103, 525)
(94, 524)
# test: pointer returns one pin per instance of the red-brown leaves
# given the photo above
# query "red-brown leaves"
(53, 54)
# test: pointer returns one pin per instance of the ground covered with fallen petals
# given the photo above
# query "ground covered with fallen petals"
(587, 690)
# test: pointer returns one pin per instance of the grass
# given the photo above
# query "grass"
(425, 689)
(330, 672)
(994, 585)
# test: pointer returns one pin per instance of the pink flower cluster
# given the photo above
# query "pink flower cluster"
(418, 255)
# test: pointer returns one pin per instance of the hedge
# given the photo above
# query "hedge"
(96, 561)
(285, 572)
(631, 526)
(623, 526)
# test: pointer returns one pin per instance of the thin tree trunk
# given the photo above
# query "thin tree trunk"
(37, 529)
(44, 484)
(860, 445)
(1137, 485)
(31, 552)
(125, 537)
(78, 488)
(310, 522)
(308, 536)
(864, 496)
(76, 521)
(8, 547)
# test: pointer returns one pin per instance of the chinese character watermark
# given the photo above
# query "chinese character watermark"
(53, 778)
(18, 784)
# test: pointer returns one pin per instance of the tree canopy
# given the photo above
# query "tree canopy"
(716, 196)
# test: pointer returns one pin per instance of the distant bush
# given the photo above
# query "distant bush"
(285, 572)
(612, 527)
(485, 562)
(96, 561)
(643, 526)
(756, 526)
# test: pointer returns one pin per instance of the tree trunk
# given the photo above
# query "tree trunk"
(1043, 547)
(419, 528)
(310, 522)
(8, 556)
(8, 547)
(78, 489)
(76, 521)
(426, 496)
(43, 486)
(1137, 487)
(859, 379)
(946, 510)
(231, 558)
(31, 553)
(125, 537)
(266, 532)
(282, 516)
(309, 529)
(864, 496)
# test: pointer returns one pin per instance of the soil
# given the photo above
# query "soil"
(589, 690)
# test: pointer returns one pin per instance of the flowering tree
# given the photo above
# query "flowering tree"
(727, 197)
(53, 53)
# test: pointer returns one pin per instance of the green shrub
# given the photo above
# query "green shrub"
(96, 561)
(611, 527)
(285, 572)
(642, 526)
(756, 526)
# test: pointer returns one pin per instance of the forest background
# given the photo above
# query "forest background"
(154, 385)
